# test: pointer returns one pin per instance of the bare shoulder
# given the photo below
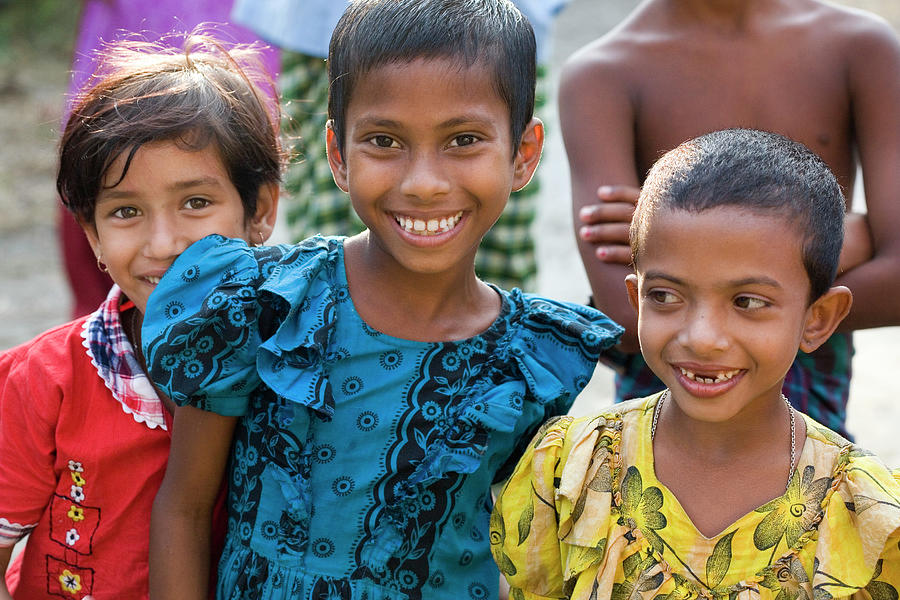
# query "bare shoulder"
(867, 47)
(609, 59)
(849, 27)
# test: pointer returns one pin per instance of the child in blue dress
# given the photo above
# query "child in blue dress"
(364, 393)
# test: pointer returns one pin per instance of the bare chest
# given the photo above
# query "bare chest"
(788, 92)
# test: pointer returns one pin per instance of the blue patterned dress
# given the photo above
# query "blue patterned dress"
(362, 463)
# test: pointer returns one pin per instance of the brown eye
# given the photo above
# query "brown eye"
(750, 302)
(464, 140)
(662, 297)
(384, 141)
(197, 203)
(126, 212)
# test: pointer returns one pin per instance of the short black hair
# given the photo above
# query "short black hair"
(195, 95)
(761, 172)
(374, 33)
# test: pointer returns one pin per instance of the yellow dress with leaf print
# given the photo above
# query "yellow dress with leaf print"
(584, 517)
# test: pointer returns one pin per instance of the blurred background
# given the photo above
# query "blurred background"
(36, 41)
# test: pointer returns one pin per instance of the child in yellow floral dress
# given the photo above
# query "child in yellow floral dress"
(716, 487)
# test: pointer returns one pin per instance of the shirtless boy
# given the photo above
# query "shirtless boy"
(824, 75)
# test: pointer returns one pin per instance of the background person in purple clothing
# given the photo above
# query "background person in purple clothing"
(104, 21)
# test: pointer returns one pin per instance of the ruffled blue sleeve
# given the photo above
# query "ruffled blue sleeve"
(545, 357)
(554, 350)
(201, 328)
(227, 318)
(558, 345)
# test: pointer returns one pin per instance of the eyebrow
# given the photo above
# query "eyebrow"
(758, 280)
(113, 194)
(448, 124)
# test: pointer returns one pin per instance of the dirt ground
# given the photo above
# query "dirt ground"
(35, 296)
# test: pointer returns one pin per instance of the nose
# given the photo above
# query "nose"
(424, 177)
(704, 331)
(165, 239)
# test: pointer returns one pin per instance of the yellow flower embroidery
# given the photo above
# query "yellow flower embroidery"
(637, 578)
(640, 507)
(76, 513)
(683, 590)
(77, 478)
(787, 579)
(794, 513)
(70, 582)
(880, 590)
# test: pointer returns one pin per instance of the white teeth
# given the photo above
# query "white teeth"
(153, 280)
(718, 378)
(429, 227)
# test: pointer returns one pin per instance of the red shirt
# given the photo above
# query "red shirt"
(84, 442)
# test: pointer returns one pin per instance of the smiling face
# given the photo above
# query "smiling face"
(169, 198)
(428, 161)
(722, 299)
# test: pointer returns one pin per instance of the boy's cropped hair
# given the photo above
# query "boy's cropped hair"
(760, 172)
(147, 92)
(374, 33)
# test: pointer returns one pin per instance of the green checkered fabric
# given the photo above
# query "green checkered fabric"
(315, 204)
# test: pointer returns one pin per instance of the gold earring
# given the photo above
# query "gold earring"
(102, 265)
(261, 238)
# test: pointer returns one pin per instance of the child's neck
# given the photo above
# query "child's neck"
(720, 472)
(440, 307)
(723, 15)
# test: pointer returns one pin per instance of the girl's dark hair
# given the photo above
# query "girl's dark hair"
(374, 33)
(760, 172)
(200, 94)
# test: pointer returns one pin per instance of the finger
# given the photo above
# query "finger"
(614, 254)
(605, 234)
(618, 193)
(612, 212)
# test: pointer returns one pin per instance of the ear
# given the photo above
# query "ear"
(823, 317)
(631, 284)
(335, 159)
(263, 221)
(90, 231)
(528, 154)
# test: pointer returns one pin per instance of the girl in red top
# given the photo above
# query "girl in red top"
(166, 147)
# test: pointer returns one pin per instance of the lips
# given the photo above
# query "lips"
(707, 382)
(708, 378)
(428, 227)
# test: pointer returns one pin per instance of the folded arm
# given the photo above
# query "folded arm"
(874, 79)
(597, 120)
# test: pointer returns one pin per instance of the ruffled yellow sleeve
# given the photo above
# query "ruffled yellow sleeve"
(551, 520)
(859, 538)
(886, 582)
(524, 538)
